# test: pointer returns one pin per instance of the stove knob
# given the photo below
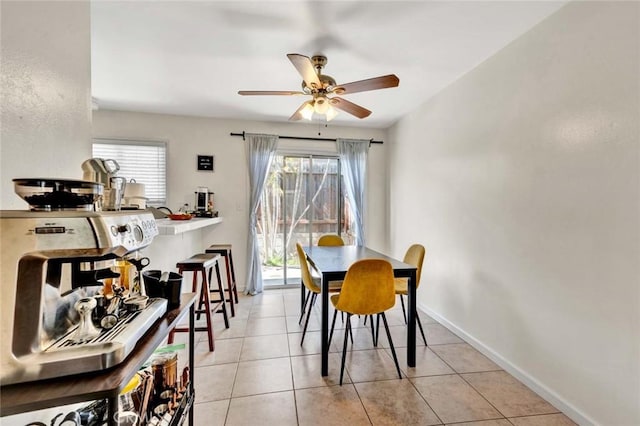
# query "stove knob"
(124, 228)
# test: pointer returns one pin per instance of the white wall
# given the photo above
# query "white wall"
(188, 137)
(527, 199)
(46, 92)
(46, 103)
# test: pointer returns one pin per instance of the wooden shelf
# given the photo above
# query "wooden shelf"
(24, 397)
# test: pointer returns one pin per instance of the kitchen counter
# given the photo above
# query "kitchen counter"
(175, 227)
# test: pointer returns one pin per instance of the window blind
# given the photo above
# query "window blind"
(143, 161)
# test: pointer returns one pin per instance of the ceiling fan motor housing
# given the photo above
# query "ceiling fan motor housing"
(327, 82)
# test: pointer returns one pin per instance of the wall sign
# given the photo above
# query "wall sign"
(205, 162)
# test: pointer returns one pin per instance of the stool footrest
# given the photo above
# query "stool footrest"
(185, 329)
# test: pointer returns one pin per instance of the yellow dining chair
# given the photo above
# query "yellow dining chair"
(324, 240)
(414, 256)
(312, 285)
(367, 289)
(330, 240)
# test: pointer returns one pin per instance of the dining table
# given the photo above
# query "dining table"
(332, 264)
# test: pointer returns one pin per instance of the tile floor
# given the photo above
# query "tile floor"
(259, 374)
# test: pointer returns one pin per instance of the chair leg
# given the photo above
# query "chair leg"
(306, 323)
(233, 275)
(222, 297)
(333, 324)
(194, 286)
(373, 332)
(393, 350)
(404, 312)
(222, 289)
(421, 330)
(344, 348)
(304, 307)
(230, 286)
(207, 311)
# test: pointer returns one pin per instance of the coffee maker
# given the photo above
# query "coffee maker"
(105, 171)
(204, 203)
(52, 263)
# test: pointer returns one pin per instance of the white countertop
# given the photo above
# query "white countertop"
(174, 227)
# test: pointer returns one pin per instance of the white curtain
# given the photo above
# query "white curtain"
(260, 150)
(353, 162)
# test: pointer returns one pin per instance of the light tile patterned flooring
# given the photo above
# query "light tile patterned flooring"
(259, 374)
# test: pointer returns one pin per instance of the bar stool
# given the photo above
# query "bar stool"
(203, 263)
(224, 250)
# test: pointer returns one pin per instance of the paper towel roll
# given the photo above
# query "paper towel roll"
(133, 189)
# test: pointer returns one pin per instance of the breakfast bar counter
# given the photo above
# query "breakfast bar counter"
(174, 227)
(180, 239)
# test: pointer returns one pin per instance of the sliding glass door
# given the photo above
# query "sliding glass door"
(303, 199)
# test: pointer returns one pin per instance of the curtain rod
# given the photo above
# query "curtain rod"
(305, 138)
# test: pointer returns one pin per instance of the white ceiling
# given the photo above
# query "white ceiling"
(191, 58)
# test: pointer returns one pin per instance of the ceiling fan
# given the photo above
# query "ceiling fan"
(323, 89)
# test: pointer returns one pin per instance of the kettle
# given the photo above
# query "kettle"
(104, 171)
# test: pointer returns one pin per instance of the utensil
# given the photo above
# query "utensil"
(86, 331)
(140, 264)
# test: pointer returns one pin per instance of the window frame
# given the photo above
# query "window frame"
(140, 142)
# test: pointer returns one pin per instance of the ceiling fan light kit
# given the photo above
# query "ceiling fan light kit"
(320, 86)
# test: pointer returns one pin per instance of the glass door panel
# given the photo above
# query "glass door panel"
(303, 199)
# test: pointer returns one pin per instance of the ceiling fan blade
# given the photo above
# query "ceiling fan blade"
(269, 92)
(349, 107)
(305, 68)
(382, 82)
(298, 114)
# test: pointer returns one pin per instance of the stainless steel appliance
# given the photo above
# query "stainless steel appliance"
(204, 203)
(105, 171)
(47, 194)
(204, 199)
(50, 261)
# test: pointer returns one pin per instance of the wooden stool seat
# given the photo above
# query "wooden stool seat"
(224, 250)
(197, 261)
(220, 247)
(203, 264)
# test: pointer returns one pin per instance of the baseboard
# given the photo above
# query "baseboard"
(546, 393)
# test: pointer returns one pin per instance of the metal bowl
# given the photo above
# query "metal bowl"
(46, 194)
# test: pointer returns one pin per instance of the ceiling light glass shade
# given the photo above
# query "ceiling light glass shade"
(321, 105)
(331, 113)
(307, 111)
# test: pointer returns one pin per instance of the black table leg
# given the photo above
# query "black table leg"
(112, 409)
(192, 371)
(325, 326)
(411, 329)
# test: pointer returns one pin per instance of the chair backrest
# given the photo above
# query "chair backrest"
(307, 280)
(415, 256)
(331, 240)
(368, 288)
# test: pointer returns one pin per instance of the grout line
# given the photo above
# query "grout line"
(386, 350)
